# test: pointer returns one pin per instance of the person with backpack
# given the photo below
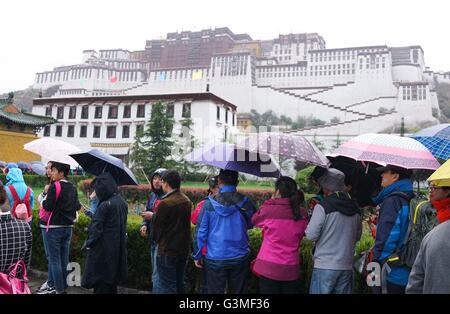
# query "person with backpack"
(283, 222)
(106, 244)
(61, 204)
(20, 196)
(223, 224)
(393, 204)
(15, 245)
(146, 227)
(335, 227)
(48, 287)
(429, 273)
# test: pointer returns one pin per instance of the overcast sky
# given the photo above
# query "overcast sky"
(39, 35)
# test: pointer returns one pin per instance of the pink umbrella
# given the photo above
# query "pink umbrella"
(386, 149)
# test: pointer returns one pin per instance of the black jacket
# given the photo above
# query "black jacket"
(65, 207)
(106, 244)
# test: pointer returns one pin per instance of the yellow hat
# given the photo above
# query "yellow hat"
(441, 177)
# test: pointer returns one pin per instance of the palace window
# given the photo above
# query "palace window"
(72, 112)
(98, 112)
(85, 112)
(70, 131)
(111, 131)
(140, 111)
(60, 113)
(112, 113)
(170, 110)
(83, 131)
(125, 131)
(186, 110)
(48, 111)
(47, 131)
(127, 111)
(96, 133)
(218, 113)
(58, 131)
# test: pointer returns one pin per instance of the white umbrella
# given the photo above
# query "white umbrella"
(55, 150)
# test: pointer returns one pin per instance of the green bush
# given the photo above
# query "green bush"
(139, 267)
(303, 181)
(41, 181)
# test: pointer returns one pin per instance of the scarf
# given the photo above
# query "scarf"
(442, 209)
(404, 185)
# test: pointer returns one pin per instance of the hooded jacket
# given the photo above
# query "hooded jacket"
(335, 227)
(106, 243)
(392, 226)
(222, 224)
(155, 196)
(15, 178)
(278, 257)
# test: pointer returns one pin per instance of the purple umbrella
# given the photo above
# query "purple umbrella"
(230, 157)
(23, 165)
(285, 145)
(38, 169)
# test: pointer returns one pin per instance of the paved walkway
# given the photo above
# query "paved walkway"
(37, 278)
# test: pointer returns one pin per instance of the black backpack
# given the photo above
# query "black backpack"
(422, 219)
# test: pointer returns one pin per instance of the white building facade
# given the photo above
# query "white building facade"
(110, 123)
(367, 88)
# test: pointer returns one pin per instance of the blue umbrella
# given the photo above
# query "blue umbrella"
(11, 165)
(38, 169)
(97, 162)
(436, 139)
(231, 157)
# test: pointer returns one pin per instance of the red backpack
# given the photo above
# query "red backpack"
(21, 202)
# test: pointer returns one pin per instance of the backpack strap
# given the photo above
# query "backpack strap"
(26, 201)
(16, 199)
(416, 210)
(58, 192)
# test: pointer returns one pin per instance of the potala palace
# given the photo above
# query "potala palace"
(368, 88)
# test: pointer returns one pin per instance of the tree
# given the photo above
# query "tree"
(337, 142)
(335, 120)
(382, 110)
(318, 143)
(152, 147)
(185, 145)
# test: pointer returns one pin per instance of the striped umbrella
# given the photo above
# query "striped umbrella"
(385, 149)
(436, 139)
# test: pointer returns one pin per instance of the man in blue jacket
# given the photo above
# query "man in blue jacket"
(222, 226)
(392, 226)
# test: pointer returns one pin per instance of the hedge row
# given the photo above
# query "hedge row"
(139, 269)
(41, 181)
(138, 194)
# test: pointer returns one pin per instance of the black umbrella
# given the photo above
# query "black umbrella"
(97, 162)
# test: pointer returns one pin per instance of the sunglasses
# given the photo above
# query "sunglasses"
(432, 188)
